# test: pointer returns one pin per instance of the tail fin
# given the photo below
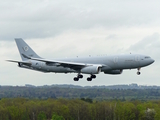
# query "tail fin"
(24, 49)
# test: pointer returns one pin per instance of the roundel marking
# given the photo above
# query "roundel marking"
(25, 48)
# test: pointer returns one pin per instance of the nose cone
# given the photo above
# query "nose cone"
(147, 61)
(152, 61)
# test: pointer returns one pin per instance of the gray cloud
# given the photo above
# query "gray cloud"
(41, 19)
(147, 44)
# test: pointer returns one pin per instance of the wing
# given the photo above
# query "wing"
(72, 65)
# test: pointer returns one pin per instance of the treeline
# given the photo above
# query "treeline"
(69, 93)
(76, 109)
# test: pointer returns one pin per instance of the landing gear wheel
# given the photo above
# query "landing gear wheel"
(89, 79)
(75, 79)
(93, 76)
(138, 73)
(80, 76)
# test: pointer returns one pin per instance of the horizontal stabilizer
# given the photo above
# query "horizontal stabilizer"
(23, 62)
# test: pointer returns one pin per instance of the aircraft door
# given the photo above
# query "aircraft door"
(115, 61)
(136, 60)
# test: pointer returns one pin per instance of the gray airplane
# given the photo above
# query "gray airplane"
(114, 64)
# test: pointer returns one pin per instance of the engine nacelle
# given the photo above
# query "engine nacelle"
(114, 72)
(91, 70)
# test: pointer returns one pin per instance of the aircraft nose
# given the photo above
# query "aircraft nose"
(152, 61)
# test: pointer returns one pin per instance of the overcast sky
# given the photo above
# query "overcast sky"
(79, 28)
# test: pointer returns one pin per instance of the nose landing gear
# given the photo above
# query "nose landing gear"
(138, 72)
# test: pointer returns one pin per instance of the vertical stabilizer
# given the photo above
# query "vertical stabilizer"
(24, 49)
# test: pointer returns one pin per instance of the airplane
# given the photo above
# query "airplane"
(111, 64)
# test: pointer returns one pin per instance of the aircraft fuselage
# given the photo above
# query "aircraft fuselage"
(117, 62)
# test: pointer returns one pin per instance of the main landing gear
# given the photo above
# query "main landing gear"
(78, 77)
(138, 72)
(91, 77)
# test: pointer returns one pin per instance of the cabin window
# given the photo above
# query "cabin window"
(147, 57)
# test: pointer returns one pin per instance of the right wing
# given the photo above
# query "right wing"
(72, 65)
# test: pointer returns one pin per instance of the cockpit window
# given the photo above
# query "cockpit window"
(147, 57)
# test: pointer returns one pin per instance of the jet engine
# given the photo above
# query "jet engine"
(114, 72)
(91, 70)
